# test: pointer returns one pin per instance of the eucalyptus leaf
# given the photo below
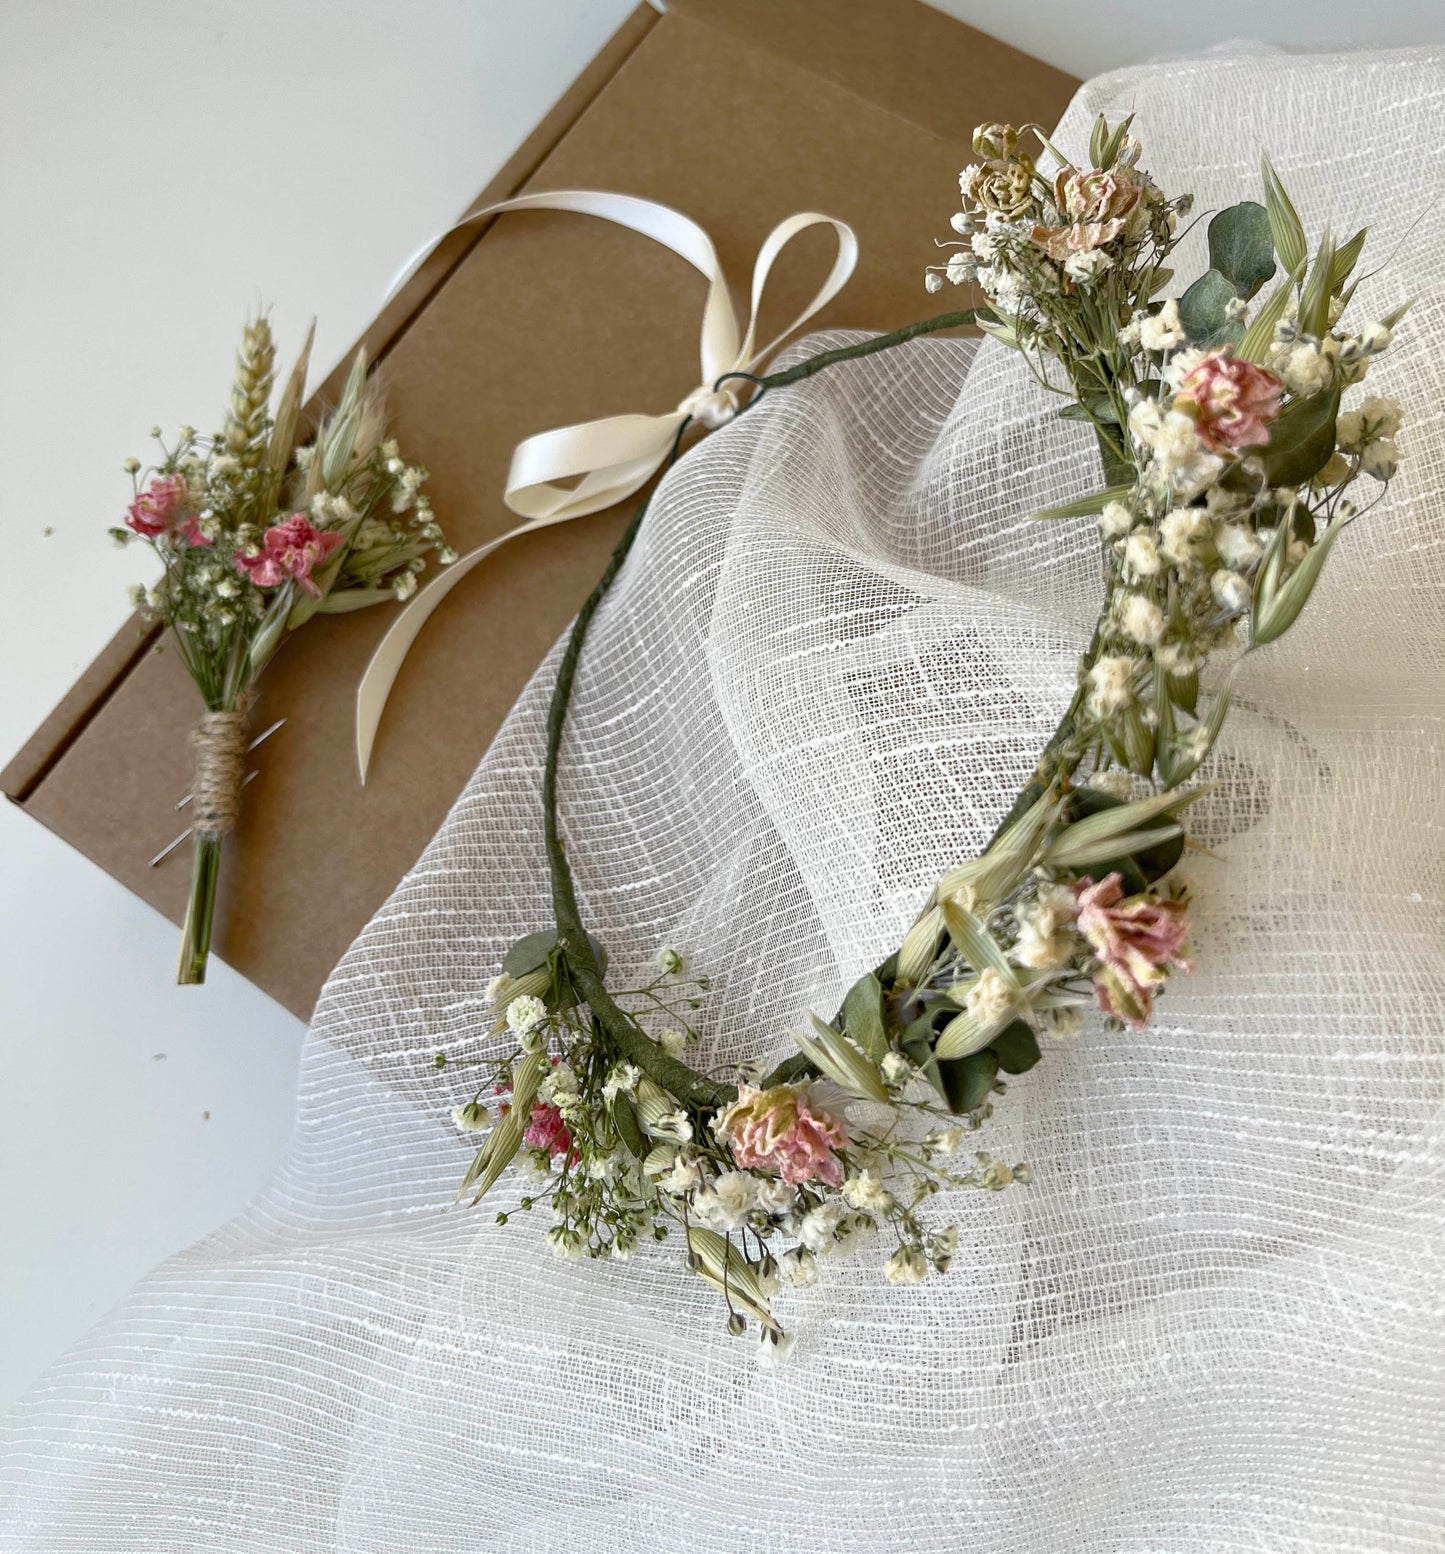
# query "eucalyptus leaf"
(531, 953)
(965, 1083)
(629, 1130)
(863, 1017)
(1241, 247)
(1016, 1048)
(1302, 439)
(1202, 310)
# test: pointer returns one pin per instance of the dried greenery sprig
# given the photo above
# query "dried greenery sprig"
(1231, 465)
(255, 536)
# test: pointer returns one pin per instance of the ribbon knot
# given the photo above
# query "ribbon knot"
(712, 407)
(573, 470)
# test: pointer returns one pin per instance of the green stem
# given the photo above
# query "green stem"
(200, 910)
(628, 1041)
(848, 353)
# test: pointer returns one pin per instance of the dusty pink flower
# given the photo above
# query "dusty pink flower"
(152, 511)
(189, 530)
(1094, 208)
(1231, 402)
(1137, 940)
(546, 1130)
(289, 550)
(780, 1130)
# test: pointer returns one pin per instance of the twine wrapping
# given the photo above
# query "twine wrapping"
(218, 748)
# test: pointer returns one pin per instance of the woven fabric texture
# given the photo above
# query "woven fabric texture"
(1215, 1322)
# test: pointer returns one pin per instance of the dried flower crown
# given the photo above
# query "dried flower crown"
(1230, 465)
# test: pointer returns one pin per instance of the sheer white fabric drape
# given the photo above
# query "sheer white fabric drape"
(1214, 1322)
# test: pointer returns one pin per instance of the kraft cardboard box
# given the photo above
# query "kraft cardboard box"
(736, 112)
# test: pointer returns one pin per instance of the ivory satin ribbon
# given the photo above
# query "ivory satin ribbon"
(608, 459)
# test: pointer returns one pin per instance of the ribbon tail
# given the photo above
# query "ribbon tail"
(385, 663)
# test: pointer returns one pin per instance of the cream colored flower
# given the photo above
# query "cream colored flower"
(1230, 591)
(1238, 547)
(1381, 459)
(1162, 331)
(907, 1266)
(992, 997)
(1110, 686)
(1141, 620)
(1186, 536)
(1115, 521)
(1141, 553)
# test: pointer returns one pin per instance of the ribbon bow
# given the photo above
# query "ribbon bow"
(604, 461)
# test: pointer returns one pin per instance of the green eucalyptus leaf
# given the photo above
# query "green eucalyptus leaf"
(965, 1083)
(1201, 310)
(1241, 247)
(1302, 439)
(917, 1042)
(629, 1129)
(532, 953)
(529, 953)
(1016, 1048)
(863, 1016)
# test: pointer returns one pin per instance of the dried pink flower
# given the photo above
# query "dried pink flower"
(289, 550)
(1095, 208)
(546, 1130)
(1230, 401)
(189, 529)
(152, 511)
(780, 1129)
(1137, 941)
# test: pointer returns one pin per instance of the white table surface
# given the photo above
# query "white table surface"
(164, 166)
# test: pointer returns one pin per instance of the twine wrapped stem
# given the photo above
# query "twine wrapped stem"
(218, 749)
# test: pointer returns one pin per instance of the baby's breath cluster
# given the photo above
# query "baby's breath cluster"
(1235, 438)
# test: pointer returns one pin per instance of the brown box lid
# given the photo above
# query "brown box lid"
(736, 112)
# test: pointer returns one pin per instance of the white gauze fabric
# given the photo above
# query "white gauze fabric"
(1215, 1320)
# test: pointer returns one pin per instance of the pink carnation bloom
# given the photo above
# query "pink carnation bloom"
(289, 550)
(546, 1130)
(780, 1130)
(152, 511)
(189, 530)
(1137, 941)
(1231, 402)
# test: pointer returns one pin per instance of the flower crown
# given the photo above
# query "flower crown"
(1231, 470)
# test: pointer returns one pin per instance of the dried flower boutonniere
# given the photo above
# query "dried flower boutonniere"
(255, 536)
